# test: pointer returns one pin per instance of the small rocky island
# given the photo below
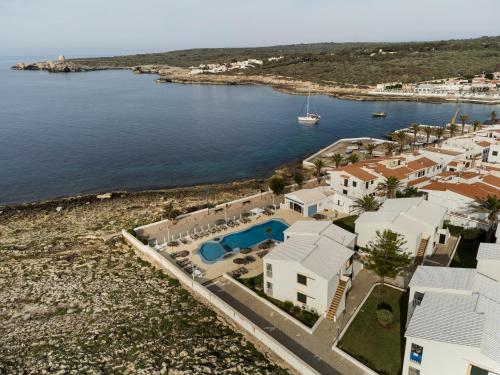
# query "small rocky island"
(60, 65)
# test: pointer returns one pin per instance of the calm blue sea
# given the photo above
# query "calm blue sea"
(65, 134)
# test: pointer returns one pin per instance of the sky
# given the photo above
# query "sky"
(112, 27)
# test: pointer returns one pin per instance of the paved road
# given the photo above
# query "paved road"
(314, 349)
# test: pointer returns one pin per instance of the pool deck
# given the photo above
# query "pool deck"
(215, 270)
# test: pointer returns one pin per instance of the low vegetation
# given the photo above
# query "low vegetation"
(465, 256)
(376, 336)
(256, 284)
(347, 223)
(341, 63)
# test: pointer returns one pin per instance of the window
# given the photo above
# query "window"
(413, 371)
(269, 270)
(366, 185)
(354, 184)
(417, 298)
(344, 192)
(371, 182)
(301, 279)
(302, 298)
(269, 287)
(416, 353)
(494, 153)
(346, 182)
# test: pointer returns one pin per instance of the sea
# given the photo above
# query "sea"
(66, 134)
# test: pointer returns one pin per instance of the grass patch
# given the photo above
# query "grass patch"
(256, 284)
(380, 348)
(465, 256)
(346, 223)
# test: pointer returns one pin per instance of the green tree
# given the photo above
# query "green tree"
(428, 132)
(364, 204)
(453, 129)
(389, 186)
(389, 148)
(319, 165)
(337, 159)
(439, 133)
(353, 158)
(386, 256)
(408, 192)
(463, 120)
(401, 138)
(277, 185)
(475, 125)
(298, 178)
(490, 206)
(415, 128)
(370, 147)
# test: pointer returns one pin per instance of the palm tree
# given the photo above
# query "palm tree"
(389, 186)
(364, 204)
(401, 138)
(389, 147)
(439, 132)
(337, 159)
(370, 147)
(353, 158)
(319, 165)
(475, 125)
(493, 116)
(491, 206)
(463, 120)
(415, 128)
(453, 129)
(428, 132)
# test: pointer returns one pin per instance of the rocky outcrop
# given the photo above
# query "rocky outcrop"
(56, 66)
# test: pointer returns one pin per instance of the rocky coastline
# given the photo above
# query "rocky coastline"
(288, 85)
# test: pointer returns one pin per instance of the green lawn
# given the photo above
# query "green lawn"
(346, 222)
(256, 284)
(465, 256)
(379, 348)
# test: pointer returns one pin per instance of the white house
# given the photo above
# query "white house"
(454, 318)
(309, 201)
(419, 221)
(312, 268)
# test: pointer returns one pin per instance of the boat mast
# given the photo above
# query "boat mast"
(308, 95)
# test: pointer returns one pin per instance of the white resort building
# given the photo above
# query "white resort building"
(309, 201)
(417, 220)
(454, 318)
(313, 267)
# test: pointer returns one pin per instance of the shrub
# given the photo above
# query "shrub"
(385, 317)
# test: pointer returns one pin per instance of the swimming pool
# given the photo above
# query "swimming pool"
(212, 251)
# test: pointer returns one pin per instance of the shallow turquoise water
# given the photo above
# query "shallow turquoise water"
(65, 134)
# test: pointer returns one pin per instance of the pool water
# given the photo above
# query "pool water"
(212, 251)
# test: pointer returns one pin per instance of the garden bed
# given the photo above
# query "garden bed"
(465, 256)
(346, 223)
(380, 348)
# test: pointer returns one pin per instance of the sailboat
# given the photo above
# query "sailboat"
(309, 118)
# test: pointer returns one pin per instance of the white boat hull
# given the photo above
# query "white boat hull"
(308, 120)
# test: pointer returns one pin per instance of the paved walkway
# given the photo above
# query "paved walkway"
(442, 255)
(316, 348)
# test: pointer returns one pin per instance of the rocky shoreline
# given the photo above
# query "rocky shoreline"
(288, 85)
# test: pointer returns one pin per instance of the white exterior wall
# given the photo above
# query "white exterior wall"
(285, 286)
(367, 231)
(489, 268)
(494, 158)
(337, 184)
(439, 358)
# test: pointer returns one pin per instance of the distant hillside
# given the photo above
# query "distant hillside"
(359, 63)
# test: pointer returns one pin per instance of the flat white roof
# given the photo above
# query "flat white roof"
(306, 196)
(443, 278)
(307, 227)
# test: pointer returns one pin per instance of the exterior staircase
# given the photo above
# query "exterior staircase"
(332, 310)
(421, 251)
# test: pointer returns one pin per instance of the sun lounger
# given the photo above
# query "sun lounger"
(262, 253)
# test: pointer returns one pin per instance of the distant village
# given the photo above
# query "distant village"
(481, 85)
(224, 67)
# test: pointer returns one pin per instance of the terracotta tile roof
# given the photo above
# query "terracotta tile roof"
(418, 181)
(473, 191)
(453, 163)
(483, 144)
(468, 175)
(490, 167)
(446, 174)
(420, 163)
(357, 171)
(400, 173)
(492, 180)
(442, 151)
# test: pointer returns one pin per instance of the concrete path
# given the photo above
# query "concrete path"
(316, 348)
